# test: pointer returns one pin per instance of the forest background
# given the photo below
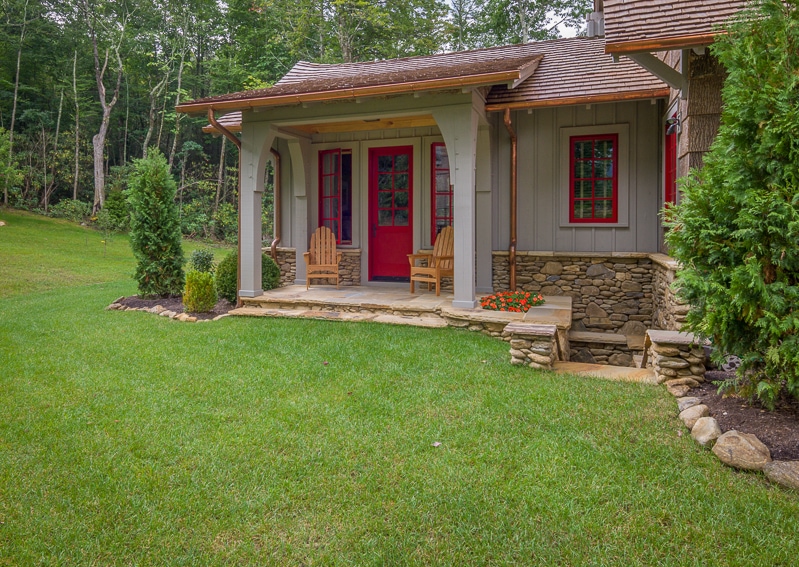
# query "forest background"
(86, 86)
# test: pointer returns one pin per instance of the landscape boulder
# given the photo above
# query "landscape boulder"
(742, 451)
(705, 431)
(784, 473)
(692, 414)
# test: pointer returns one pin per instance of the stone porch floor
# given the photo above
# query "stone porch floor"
(392, 304)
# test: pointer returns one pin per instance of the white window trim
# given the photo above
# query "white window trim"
(623, 178)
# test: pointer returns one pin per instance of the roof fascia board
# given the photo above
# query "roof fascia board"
(578, 100)
(483, 79)
(658, 68)
(661, 44)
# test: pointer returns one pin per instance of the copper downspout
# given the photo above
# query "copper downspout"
(276, 203)
(236, 142)
(513, 191)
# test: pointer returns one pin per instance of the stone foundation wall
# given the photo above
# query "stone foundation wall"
(669, 312)
(349, 269)
(611, 293)
(593, 353)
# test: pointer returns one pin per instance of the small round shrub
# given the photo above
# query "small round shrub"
(202, 260)
(200, 293)
(227, 275)
(115, 214)
(71, 210)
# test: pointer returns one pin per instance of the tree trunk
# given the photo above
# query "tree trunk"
(14, 104)
(77, 126)
(178, 115)
(155, 92)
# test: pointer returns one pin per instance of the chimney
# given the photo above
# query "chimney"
(595, 22)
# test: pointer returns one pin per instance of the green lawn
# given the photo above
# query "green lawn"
(129, 439)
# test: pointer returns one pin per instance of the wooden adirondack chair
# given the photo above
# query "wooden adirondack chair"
(322, 260)
(439, 264)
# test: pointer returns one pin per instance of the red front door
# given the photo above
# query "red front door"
(390, 213)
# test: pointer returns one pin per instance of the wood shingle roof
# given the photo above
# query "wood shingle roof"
(651, 25)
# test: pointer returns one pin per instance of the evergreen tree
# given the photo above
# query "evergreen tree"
(736, 230)
(155, 227)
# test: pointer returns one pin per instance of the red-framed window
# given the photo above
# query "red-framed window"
(335, 193)
(593, 179)
(670, 168)
(441, 189)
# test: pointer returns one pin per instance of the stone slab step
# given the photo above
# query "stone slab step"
(633, 342)
(426, 322)
(619, 373)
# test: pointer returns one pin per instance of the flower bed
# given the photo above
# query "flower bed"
(513, 301)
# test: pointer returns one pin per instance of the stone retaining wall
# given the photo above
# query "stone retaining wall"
(605, 353)
(533, 345)
(669, 312)
(610, 293)
(349, 269)
(677, 358)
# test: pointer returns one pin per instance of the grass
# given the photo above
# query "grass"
(40, 253)
(131, 439)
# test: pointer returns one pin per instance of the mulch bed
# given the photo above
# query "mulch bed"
(176, 304)
(778, 429)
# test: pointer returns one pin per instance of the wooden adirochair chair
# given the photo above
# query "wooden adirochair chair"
(440, 263)
(322, 259)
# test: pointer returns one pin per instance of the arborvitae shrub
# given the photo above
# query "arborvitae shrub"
(736, 229)
(155, 228)
(115, 214)
(202, 260)
(227, 280)
(200, 293)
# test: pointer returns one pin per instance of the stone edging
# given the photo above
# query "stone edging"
(163, 312)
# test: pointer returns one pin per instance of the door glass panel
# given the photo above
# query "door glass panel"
(442, 159)
(384, 181)
(385, 217)
(582, 169)
(401, 217)
(385, 163)
(401, 181)
(442, 205)
(384, 199)
(401, 199)
(401, 162)
(327, 165)
(442, 182)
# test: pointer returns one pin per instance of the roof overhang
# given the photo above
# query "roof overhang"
(578, 100)
(650, 45)
(510, 77)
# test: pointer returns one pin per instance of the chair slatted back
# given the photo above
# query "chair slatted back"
(323, 247)
(444, 246)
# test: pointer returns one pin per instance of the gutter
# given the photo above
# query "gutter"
(579, 100)
(513, 197)
(471, 81)
(663, 44)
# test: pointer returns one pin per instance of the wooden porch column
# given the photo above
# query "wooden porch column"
(300, 155)
(256, 140)
(458, 125)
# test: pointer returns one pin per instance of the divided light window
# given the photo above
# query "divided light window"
(593, 179)
(335, 193)
(441, 189)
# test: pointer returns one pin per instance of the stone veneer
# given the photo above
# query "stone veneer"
(610, 292)
(349, 269)
(669, 313)
(533, 345)
(677, 358)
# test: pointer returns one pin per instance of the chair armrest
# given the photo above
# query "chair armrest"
(307, 257)
(339, 255)
(412, 258)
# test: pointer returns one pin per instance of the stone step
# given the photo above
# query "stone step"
(619, 373)
(426, 322)
(633, 342)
